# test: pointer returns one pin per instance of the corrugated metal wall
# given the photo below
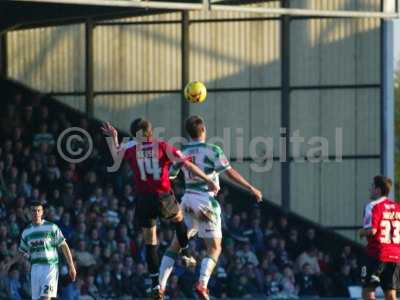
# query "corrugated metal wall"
(50, 59)
(344, 54)
(139, 57)
(334, 79)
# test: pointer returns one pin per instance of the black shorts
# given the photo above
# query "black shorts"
(387, 272)
(149, 207)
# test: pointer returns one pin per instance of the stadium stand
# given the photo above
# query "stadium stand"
(266, 252)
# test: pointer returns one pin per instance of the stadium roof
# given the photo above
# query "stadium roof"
(17, 14)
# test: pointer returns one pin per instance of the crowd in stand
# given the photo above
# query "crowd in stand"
(262, 254)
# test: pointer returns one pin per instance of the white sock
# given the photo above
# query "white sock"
(166, 267)
(207, 266)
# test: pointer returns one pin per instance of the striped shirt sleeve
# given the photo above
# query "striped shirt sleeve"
(23, 246)
(221, 163)
(58, 236)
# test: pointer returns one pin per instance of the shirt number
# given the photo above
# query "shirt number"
(390, 232)
(148, 166)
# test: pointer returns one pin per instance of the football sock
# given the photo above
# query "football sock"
(167, 265)
(207, 266)
(152, 263)
(181, 234)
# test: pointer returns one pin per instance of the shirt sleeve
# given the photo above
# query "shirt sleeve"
(367, 220)
(126, 149)
(173, 154)
(58, 236)
(23, 246)
(375, 217)
(221, 163)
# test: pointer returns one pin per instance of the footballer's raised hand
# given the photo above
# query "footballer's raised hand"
(109, 130)
(256, 193)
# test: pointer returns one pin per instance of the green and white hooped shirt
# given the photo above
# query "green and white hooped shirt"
(209, 158)
(41, 242)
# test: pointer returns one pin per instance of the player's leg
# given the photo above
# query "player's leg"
(146, 216)
(210, 229)
(208, 263)
(369, 270)
(170, 210)
(152, 259)
(48, 281)
(390, 294)
(390, 280)
(368, 293)
(35, 282)
(168, 260)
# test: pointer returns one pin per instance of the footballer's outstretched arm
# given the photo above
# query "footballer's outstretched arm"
(68, 257)
(239, 179)
(198, 172)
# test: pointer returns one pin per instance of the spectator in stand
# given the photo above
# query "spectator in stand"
(4, 287)
(309, 257)
(236, 229)
(288, 283)
(325, 263)
(347, 256)
(247, 256)
(66, 227)
(282, 255)
(343, 280)
(139, 282)
(307, 282)
(14, 284)
(84, 259)
(272, 284)
(283, 226)
(310, 239)
(257, 236)
(105, 285)
(269, 228)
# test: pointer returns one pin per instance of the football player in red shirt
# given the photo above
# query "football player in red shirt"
(382, 230)
(150, 160)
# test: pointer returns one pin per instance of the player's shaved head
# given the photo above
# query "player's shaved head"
(383, 183)
(195, 126)
(141, 127)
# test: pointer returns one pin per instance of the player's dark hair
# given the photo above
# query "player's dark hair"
(36, 203)
(383, 183)
(194, 126)
(142, 125)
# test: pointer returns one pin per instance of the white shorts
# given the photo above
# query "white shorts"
(44, 281)
(194, 205)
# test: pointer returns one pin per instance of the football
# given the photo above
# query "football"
(195, 92)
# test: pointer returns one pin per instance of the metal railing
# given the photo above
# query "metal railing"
(390, 9)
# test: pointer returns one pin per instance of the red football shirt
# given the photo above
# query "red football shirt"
(150, 162)
(385, 244)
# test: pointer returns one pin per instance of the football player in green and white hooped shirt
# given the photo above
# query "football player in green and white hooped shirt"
(40, 242)
(202, 210)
